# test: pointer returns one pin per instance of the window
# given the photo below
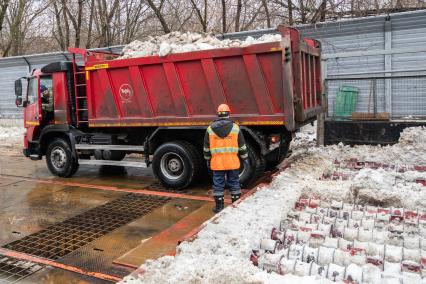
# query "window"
(32, 90)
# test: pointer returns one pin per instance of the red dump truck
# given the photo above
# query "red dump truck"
(105, 108)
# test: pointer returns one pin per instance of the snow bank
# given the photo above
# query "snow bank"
(177, 42)
(220, 254)
(11, 136)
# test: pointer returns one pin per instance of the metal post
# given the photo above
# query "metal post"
(388, 66)
(324, 102)
(375, 96)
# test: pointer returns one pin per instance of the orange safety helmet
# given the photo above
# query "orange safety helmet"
(223, 109)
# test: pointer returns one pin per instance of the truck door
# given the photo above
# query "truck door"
(32, 116)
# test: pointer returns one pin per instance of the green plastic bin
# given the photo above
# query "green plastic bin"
(346, 100)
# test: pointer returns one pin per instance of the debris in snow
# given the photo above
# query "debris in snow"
(177, 42)
(221, 251)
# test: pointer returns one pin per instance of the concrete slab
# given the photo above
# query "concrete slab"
(165, 242)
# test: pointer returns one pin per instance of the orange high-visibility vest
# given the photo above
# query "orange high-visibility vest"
(224, 151)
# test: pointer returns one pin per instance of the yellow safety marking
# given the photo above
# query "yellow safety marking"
(32, 123)
(98, 66)
(94, 124)
(87, 75)
(276, 48)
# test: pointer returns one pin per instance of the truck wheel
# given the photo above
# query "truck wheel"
(59, 158)
(251, 172)
(175, 164)
(275, 158)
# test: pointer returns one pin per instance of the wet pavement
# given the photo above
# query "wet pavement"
(32, 201)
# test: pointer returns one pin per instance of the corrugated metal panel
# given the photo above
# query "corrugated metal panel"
(408, 30)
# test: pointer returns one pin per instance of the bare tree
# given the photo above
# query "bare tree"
(238, 15)
(159, 15)
(202, 17)
(90, 26)
(3, 8)
(20, 16)
(75, 20)
(224, 29)
(268, 16)
(104, 16)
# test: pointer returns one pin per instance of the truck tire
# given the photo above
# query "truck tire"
(274, 158)
(175, 164)
(59, 158)
(255, 168)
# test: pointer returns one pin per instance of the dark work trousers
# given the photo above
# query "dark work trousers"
(229, 178)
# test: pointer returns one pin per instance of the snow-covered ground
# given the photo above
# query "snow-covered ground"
(11, 134)
(220, 253)
(177, 42)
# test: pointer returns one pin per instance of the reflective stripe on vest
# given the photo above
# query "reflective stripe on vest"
(224, 150)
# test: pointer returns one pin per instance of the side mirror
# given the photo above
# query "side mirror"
(18, 102)
(18, 92)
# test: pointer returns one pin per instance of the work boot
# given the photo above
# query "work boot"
(235, 197)
(220, 204)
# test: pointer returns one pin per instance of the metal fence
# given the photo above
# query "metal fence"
(399, 96)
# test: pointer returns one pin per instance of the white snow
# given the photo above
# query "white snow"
(177, 42)
(220, 253)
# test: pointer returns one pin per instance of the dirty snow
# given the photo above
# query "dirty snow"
(177, 42)
(11, 134)
(220, 253)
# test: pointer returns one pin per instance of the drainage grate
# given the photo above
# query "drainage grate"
(12, 270)
(61, 239)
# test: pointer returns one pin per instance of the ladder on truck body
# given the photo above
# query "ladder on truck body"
(79, 73)
(81, 107)
(80, 94)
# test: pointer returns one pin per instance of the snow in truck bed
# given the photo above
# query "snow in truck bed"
(220, 253)
(177, 42)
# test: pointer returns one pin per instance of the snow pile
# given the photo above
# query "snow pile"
(11, 136)
(11, 130)
(220, 253)
(177, 42)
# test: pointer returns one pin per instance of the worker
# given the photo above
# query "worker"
(223, 146)
(46, 98)
(46, 103)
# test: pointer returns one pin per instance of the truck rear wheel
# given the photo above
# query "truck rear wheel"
(175, 164)
(59, 158)
(250, 172)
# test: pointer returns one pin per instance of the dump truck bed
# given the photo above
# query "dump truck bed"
(276, 83)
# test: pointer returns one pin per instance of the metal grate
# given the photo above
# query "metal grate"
(156, 186)
(13, 270)
(63, 238)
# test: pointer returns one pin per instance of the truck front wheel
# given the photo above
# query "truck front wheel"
(175, 164)
(59, 158)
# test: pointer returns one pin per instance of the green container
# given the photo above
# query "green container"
(346, 99)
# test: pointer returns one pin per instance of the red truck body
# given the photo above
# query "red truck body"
(160, 106)
(257, 82)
